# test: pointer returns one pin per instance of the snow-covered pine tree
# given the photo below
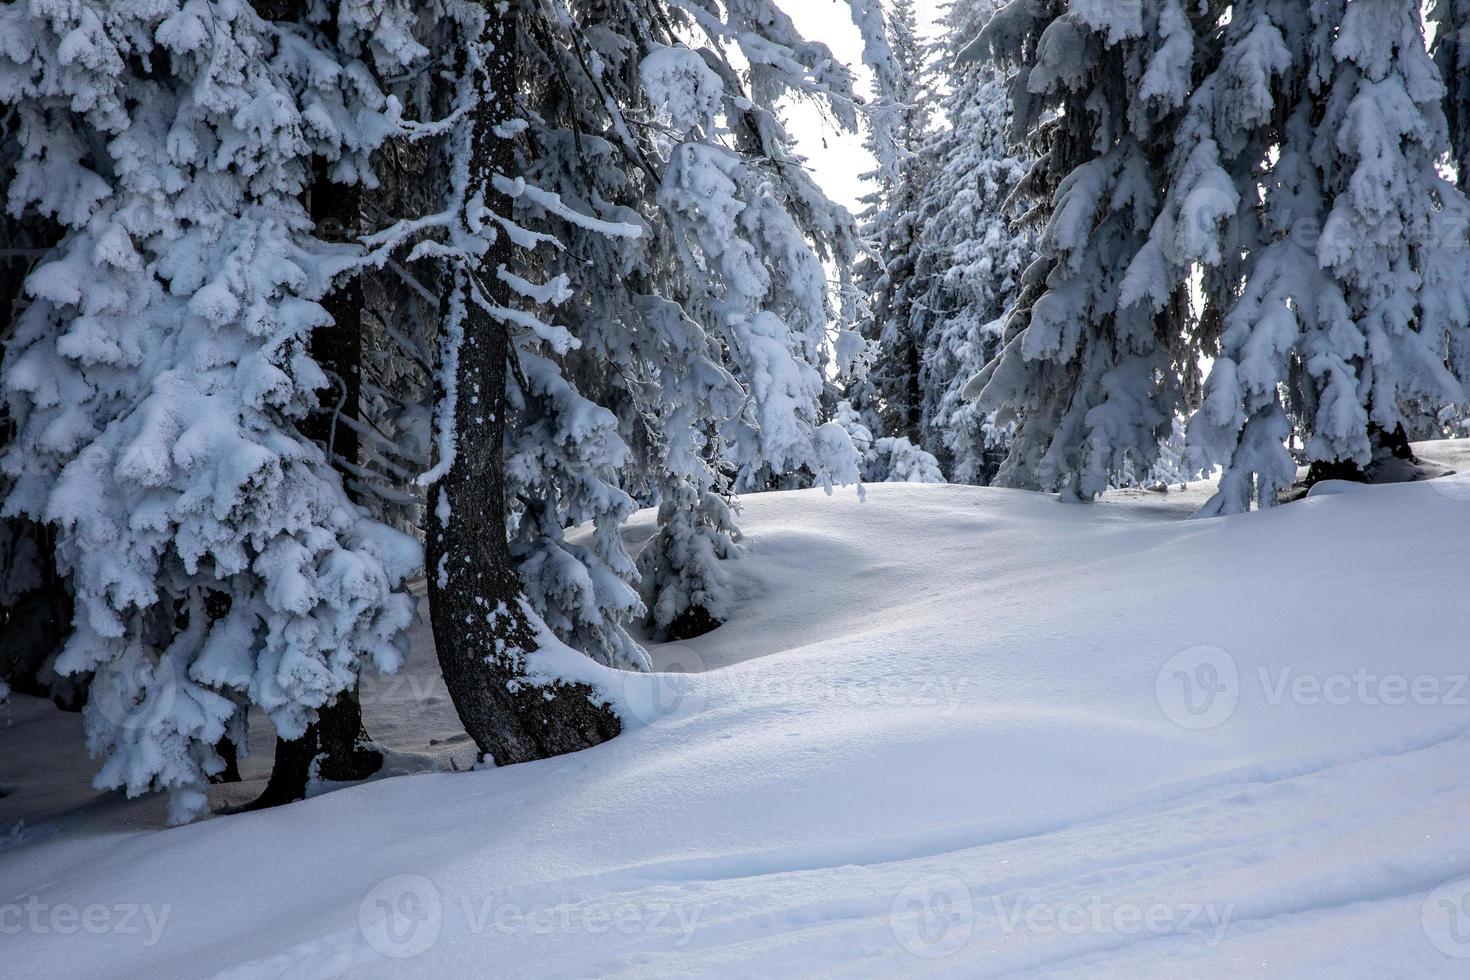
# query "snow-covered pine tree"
(1090, 377)
(1341, 297)
(1172, 467)
(888, 396)
(159, 377)
(1397, 239)
(1267, 89)
(335, 745)
(573, 424)
(697, 350)
(972, 252)
(886, 459)
(772, 286)
(632, 357)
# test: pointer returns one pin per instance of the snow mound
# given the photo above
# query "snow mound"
(949, 731)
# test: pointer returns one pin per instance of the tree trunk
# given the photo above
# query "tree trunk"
(335, 743)
(914, 418)
(481, 627)
(231, 772)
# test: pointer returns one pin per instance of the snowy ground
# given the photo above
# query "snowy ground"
(952, 731)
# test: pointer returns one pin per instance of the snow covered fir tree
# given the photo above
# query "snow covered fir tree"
(605, 460)
(975, 248)
(1287, 157)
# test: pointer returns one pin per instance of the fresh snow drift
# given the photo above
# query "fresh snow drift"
(948, 731)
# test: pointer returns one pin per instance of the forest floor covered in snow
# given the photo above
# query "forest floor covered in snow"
(950, 731)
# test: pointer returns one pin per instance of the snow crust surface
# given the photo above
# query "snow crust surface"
(949, 731)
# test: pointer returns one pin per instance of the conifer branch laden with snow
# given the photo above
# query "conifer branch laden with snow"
(702, 344)
(973, 249)
(1349, 322)
(159, 378)
(887, 393)
(1287, 157)
(1092, 371)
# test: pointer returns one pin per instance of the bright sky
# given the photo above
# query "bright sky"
(838, 159)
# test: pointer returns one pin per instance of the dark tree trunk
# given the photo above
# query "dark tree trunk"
(914, 420)
(231, 772)
(337, 738)
(290, 772)
(347, 752)
(335, 742)
(481, 629)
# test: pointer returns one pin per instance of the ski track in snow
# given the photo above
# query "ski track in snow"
(933, 741)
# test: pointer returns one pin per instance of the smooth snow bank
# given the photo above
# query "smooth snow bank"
(951, 731)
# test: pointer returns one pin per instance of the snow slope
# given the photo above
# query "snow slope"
(951, 731)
